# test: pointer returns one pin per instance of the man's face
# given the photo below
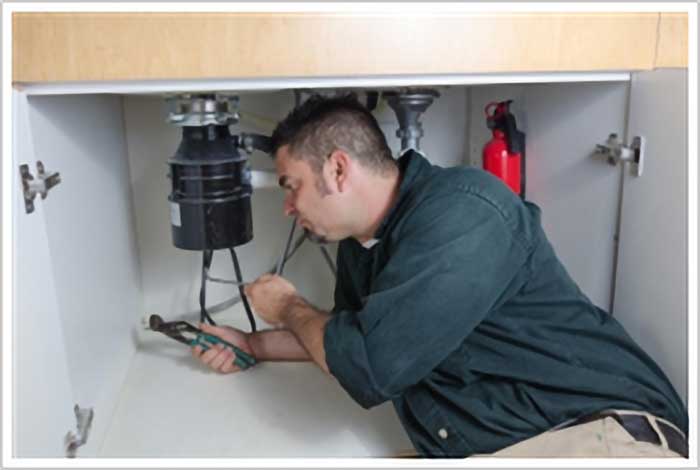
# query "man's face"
(307, 197)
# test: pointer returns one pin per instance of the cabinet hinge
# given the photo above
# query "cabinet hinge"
(614, 151)
(73, 440)
(41, 185)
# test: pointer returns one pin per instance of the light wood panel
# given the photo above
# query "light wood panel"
(118, 46)
(673, 40)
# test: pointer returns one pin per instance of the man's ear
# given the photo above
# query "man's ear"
(339, 163)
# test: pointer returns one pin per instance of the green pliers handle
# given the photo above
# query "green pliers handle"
(243, 359)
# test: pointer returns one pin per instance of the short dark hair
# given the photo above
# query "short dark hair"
(321, 125)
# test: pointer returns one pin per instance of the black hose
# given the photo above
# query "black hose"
(241, 291)
(283, 258)
(206, 263)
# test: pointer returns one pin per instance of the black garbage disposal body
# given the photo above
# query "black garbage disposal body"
(210, 201)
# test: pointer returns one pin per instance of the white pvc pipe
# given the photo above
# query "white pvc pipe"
(261, 179)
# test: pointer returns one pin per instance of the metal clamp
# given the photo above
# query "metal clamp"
(615, 151)
(41, 185)
(84, 422)
(202, 109)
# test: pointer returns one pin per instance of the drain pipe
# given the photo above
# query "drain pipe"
(409, 104)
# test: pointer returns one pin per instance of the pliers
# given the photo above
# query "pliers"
(186, 333)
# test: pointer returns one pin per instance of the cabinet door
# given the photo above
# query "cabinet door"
(43, 399)
(92, 243)
(651, 294)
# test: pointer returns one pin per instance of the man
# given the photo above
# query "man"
(451, 303)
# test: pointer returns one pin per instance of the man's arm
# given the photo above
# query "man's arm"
(276, 300)
(266, 345)
(277, 345)
(307, 323)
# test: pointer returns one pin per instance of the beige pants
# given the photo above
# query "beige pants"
(601, 438)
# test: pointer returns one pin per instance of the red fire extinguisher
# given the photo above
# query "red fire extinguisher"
(504, 154)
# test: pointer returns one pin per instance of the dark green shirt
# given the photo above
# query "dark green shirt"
(464, 317)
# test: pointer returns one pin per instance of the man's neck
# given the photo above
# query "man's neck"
(381, 195)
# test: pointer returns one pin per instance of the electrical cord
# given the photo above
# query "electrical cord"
(328, 259)
(283, 258)
(221, 306)
(241, 291)
(300, 240)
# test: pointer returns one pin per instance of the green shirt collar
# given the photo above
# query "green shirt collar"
(411, 165)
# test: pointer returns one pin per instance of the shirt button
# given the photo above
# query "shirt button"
(443, 433)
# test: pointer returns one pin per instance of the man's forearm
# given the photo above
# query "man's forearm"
(277, 345)
(308, 324)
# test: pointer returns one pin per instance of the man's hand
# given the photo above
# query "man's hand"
(271, 296)
(277, 302)
(219, 357)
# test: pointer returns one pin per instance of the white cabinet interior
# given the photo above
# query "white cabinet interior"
(113, 263)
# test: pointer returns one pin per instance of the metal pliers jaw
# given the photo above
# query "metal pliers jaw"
(192, 336)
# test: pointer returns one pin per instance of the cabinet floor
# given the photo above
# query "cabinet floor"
(171, 406)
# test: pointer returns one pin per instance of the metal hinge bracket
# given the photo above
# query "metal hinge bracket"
(73, 440)
(41, 185)
(614, 151)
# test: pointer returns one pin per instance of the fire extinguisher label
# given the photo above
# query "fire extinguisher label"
(175, 214)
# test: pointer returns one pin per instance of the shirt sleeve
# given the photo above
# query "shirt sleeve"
(448, 268)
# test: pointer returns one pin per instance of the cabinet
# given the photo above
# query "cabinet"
(148, 46)
(95, 258)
